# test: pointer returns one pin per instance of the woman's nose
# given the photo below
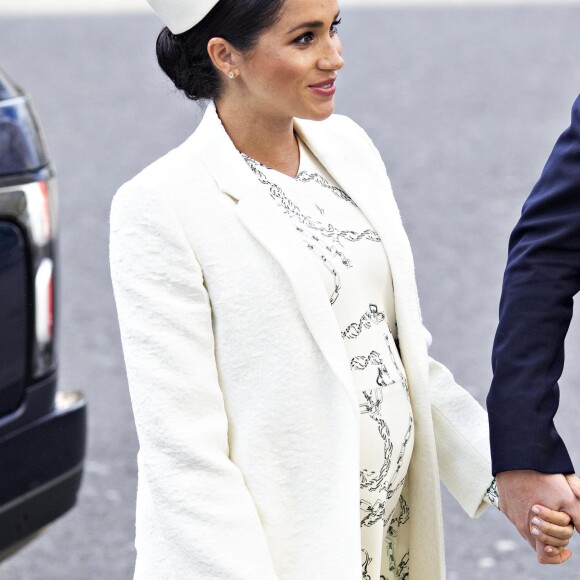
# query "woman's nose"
(332, 58)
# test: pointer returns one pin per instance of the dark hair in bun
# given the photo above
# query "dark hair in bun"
(184, 57)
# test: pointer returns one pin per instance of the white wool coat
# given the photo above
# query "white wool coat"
(243, 398)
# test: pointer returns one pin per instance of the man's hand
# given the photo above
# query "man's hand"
(519, 491)
(574, 483)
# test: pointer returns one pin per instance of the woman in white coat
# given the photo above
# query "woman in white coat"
(291, 423)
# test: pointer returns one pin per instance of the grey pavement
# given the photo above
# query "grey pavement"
(464, 105)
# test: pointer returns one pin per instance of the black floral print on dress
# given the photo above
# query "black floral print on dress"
(354, 265)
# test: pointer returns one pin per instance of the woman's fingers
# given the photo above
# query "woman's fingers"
(553, 528)
(552, 551)
(551, 516)
(558, 558)
(550, 540)
(541, 529)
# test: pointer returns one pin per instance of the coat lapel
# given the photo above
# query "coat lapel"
(361, 173)
(274, 231)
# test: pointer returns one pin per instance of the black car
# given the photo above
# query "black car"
(42, 430)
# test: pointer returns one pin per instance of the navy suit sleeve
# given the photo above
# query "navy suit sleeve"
(541, 278)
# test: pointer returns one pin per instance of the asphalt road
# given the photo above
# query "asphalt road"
(464, 104)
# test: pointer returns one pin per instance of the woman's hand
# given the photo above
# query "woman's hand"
(552, 530)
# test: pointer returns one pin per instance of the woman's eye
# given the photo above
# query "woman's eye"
(304, 38)
(308, 37)
(334, 27)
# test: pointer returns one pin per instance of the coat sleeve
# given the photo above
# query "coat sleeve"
(541, 278)
(461, 438)
(195, 516)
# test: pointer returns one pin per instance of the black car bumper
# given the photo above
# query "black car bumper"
(41, 466)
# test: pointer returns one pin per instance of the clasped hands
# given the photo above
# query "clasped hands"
(545, 508)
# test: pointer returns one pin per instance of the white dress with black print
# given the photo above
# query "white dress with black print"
(357, 276)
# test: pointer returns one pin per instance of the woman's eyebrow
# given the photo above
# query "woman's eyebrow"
(312, 24)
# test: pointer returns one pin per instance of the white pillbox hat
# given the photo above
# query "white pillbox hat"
(181, 15)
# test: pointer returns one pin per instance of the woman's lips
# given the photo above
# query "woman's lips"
(325, 88)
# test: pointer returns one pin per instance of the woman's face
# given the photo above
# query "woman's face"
(292, 69)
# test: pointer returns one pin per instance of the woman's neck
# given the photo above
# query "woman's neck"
(269, 141)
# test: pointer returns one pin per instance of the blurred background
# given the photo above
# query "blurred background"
(463, 99)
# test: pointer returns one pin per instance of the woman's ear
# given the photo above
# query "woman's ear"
(224, 57)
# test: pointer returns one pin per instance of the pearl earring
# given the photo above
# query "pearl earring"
(231, 74)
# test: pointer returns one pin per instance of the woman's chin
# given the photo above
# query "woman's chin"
(319, 113)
